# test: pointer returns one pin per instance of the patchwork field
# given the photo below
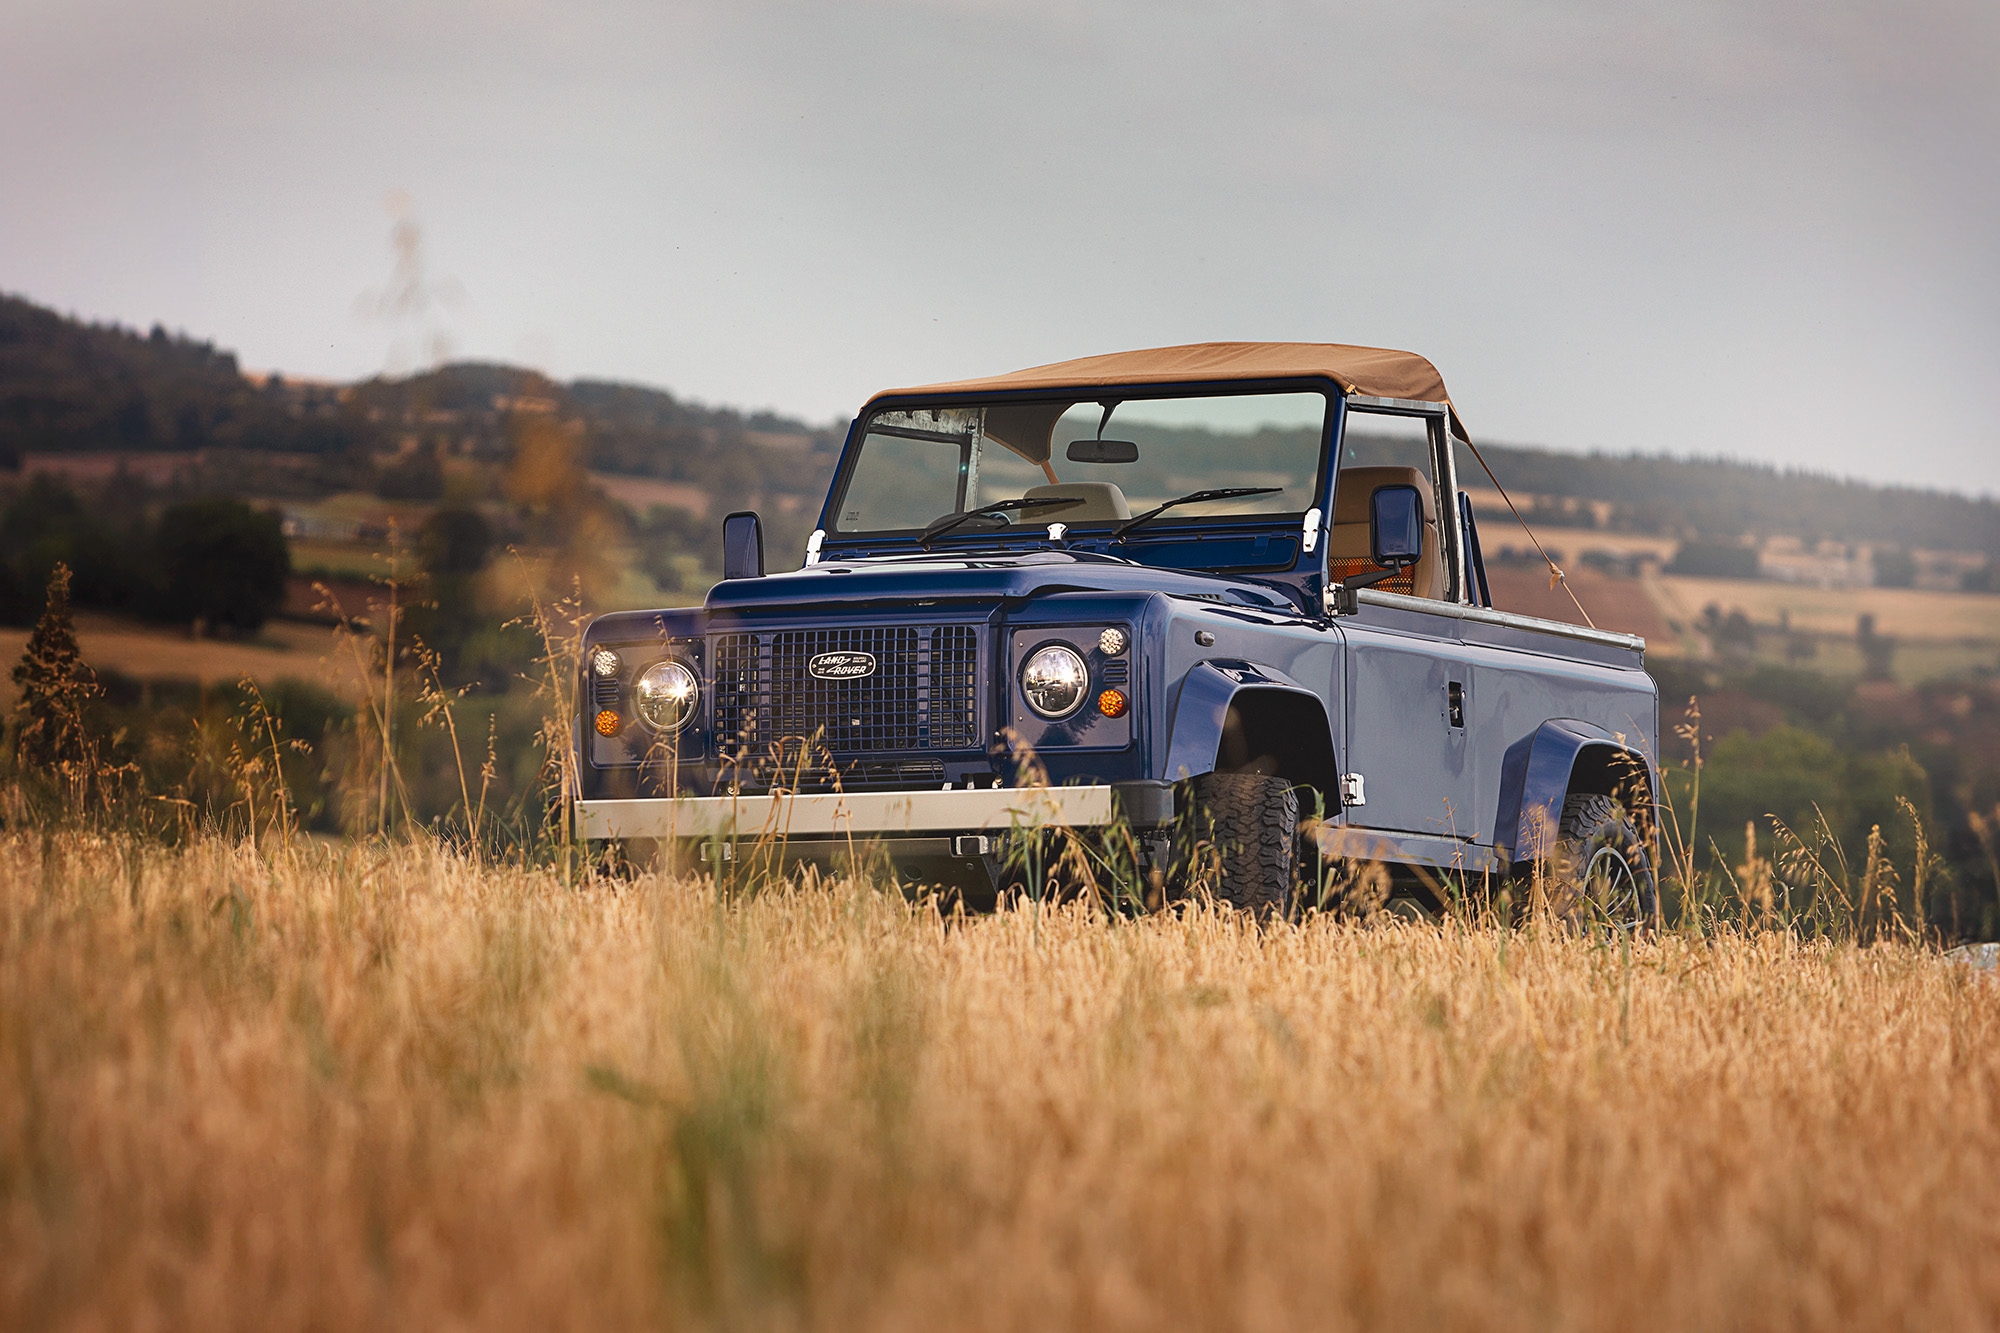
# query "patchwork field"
(1907, 613)
(386, 1088)
(282, 650)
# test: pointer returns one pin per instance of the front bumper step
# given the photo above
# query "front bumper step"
(853, 814)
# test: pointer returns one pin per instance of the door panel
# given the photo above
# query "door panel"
(1406, 670)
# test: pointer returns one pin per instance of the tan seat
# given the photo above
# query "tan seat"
(1347, 547)
(1097, 502)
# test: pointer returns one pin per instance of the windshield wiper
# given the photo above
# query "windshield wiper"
(941, 526)
(1221, 493)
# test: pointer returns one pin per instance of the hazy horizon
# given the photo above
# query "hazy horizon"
(1739, 230)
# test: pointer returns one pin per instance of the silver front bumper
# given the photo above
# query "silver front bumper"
(845, 814)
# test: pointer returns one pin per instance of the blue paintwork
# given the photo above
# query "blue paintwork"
(1535, 778)
(1369, 693)
(1208, 691)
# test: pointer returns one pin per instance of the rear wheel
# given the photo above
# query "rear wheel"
(1240, 837)
(1602, 870)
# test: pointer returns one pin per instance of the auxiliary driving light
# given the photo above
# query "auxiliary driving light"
(1112, 703)
(607, 723)
(1054, 681)
(666, 695)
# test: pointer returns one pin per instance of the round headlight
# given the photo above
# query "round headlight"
(666, 696)
(1054, 681)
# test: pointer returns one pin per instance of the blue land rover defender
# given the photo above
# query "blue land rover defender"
(1234, 586)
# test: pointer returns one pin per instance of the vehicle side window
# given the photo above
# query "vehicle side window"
(1383, 449)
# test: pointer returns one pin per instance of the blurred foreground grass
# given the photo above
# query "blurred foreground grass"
(361, 1087)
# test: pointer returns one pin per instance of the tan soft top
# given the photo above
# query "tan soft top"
(1374, 372)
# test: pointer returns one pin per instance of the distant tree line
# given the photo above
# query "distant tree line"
(70, 387)
(479, 410)
(212, 561)
(1719, 498)
(67, 386)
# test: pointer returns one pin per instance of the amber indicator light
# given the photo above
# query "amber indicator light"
(1111, 703)
(607, 723)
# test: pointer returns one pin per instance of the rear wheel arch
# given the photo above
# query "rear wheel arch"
(1562, 758)
(1605, 768)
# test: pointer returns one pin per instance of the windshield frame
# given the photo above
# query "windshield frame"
(1094, 532)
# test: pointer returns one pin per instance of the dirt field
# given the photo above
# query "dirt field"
(1613, 603)
(640, 494)
(368, 1089)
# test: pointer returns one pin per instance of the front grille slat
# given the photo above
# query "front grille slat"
(783, 725)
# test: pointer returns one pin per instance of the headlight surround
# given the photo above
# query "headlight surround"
(1054, 681)
(667, 695)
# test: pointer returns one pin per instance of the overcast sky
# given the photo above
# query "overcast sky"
(1759, 229)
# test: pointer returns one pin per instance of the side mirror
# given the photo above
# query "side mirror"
(1103, 451)
(1396, 526)
(1395, 542)
(743, 546)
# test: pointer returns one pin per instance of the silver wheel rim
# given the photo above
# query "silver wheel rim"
(1611, 886)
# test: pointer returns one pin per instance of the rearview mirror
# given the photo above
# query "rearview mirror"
(1103, 451)
(1396, 526)
(743, 546)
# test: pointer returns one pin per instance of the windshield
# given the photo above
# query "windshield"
(917, 466)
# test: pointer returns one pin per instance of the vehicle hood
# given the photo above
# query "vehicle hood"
(960, 577)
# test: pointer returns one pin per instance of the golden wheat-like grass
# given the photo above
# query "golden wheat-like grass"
(353, 1088)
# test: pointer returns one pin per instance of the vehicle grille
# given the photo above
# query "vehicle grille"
(787, 726)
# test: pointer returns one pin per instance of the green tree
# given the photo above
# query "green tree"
(1894, 567)
(223, 563)
(419, 476)
(1787, 772)
(455, 542)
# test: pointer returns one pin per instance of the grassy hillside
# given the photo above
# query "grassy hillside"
(71, 387)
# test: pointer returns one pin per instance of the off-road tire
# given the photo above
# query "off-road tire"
(1241, 837)
(1602, 872)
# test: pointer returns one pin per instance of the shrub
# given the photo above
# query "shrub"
(222, 564)
(1714, 560)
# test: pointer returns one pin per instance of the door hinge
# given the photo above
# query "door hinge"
(1353, 789)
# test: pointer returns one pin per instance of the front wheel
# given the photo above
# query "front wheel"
(1241, 836)
(1602, 869)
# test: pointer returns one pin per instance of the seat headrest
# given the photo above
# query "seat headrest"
(1097, 500)
(1355, 486)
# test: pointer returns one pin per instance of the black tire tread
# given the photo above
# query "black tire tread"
(1250, 821)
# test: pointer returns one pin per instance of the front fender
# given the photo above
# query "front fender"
(1201, 712)
(1536, 774)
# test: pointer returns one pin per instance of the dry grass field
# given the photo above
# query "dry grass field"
(150, 652)
(1907, 613)
(331, 1088)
